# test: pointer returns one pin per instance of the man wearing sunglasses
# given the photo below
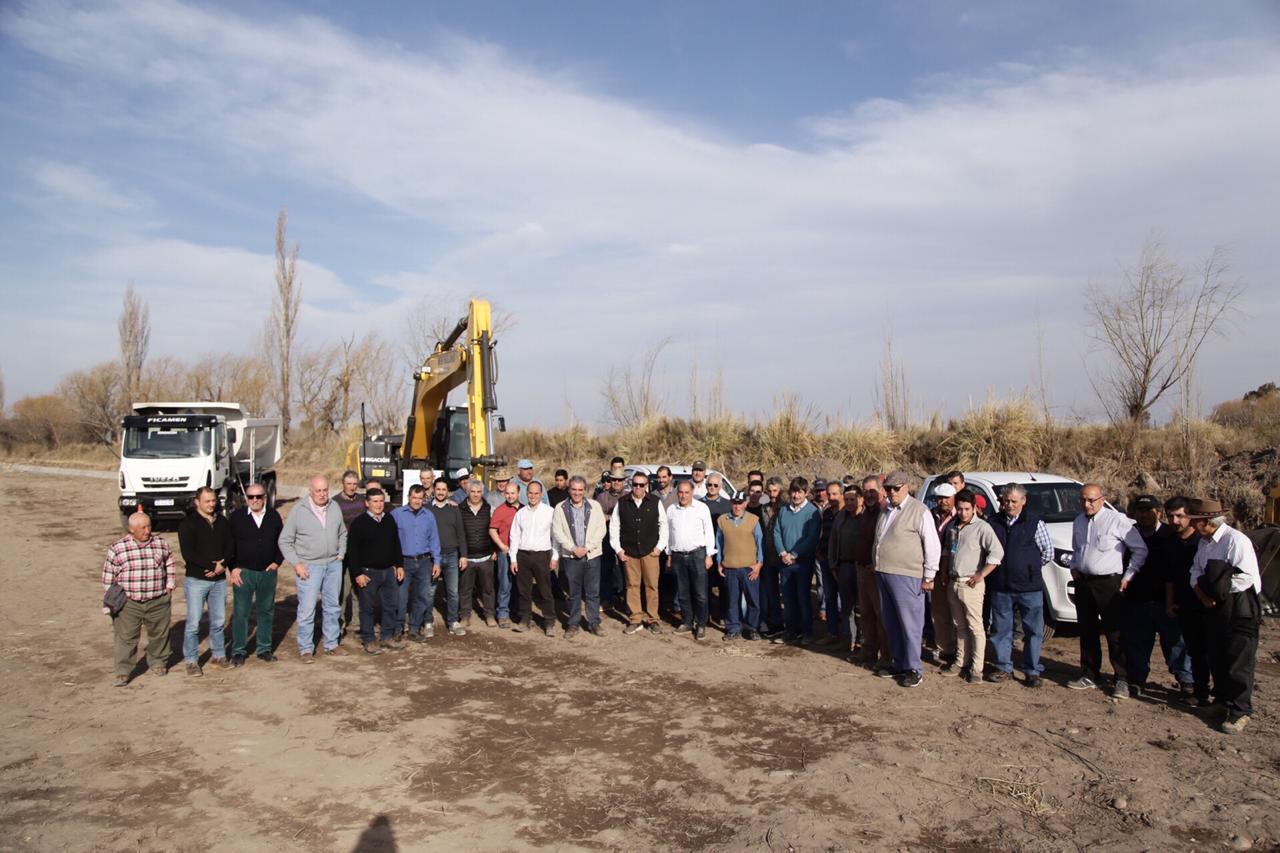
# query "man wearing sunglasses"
(638, 533)
(255, 532)
(906, 559)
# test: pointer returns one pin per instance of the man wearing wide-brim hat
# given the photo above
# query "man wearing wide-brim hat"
(1225, 577)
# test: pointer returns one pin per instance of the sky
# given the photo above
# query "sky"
(777, 189)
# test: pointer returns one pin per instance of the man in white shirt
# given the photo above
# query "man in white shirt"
(1101, 539)
(691, 544)
(533, 559)
(1225, 577)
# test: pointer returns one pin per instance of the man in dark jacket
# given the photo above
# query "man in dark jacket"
(1018, 582)
(478, 549)
(205, 541)
(255, 531)
(1146, 612)
(373, 548)
(452, 538)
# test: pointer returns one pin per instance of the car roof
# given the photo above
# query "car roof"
(1000, 478)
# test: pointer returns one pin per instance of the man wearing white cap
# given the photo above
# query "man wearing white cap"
(524, 476)
(461, 494)
(939, 632)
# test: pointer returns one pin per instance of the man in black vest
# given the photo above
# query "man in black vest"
(638, 533)
(255, 530)
(1018, 582)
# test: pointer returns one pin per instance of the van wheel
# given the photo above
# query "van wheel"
(1050, 628)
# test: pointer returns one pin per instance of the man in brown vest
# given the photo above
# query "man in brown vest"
(740, 545)
(906, 557)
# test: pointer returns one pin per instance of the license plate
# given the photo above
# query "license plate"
(164, 501)
(379, 472)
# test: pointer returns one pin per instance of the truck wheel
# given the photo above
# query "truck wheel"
(1050, 625)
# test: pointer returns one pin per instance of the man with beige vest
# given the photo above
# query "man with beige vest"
(578, 526)
(740, 546)
(906, 560)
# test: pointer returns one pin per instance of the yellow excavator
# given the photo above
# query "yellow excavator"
(442, 437)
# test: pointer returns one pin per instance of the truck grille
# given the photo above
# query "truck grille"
(164, 482)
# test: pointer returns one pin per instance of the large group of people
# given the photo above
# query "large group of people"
(861, 567)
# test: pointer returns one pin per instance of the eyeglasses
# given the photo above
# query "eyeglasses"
(893, 488)
(713, 485)
(636, 485)
(256, 497)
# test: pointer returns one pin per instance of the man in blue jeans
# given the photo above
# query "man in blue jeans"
(452, 539)
(314, 541)
(1145, 603)
(578, 527)
(795, 536)
(1018, 582)
(420, 545)
(500, 521)
(741, 548)
(205, 540)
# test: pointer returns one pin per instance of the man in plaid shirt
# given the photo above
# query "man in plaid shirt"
(144, 567)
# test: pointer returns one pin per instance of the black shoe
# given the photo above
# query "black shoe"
(997, 676)
(521, 627)
(885, 672)
(595, 630)
(929, 656)
(237, 660)
(729, 638)
(972, 678)
(684, 629)
(750, 635)
(1033, 681)
(911, 679)
(654, 628)
(631, 628)
(267, 657)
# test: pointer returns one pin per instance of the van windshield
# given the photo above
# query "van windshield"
(167, 442)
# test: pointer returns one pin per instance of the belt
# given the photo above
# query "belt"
(479, 559)
(694, 551)
(417, 556)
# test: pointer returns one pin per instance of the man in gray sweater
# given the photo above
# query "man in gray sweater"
(314, 541)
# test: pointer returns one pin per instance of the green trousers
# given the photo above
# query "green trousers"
(257, 593)
(127, 629)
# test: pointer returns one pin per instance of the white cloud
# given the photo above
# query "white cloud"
(67, 182)
(956, 214)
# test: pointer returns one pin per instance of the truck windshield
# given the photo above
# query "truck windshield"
(1053, 502)
(167, 442)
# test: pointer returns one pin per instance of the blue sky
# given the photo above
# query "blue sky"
(774, 186)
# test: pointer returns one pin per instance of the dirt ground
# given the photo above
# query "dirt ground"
(500, 741)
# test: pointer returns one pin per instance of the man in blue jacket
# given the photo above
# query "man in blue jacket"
(1018, 582)
(795, 536)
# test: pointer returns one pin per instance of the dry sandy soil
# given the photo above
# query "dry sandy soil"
(499, 741)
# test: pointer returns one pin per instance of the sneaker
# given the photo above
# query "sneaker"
(1084, 682)
(1234, 726)
(885, 672)
(1120, 690)
(504, 624)
(121, 681)
(372, 649)
(929, 656)
(729, 638)
(222, 663)
(521, 627)
(457, 630)
(949, 669)
(1033, 681)
(655, 629)
(750, 635)
(701, 633)
(267, 657)
(972, 678)
(911, 679)
(307, 657)
(237, 660)
(428, 631)
(778, 639)
(632, 627)
(339, 651)
(194, 670)
(684, 629)
(595, 630)
(997, 676)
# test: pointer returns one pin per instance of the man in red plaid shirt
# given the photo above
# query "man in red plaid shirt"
(144, 567)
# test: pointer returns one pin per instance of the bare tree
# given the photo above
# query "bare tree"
(630, 395)
(134, 326)
(94, 396)
(1150, 327)
(892, 397)
(283, 326)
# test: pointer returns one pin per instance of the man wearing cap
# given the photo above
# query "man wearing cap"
(461, 494)
(560, 491)
(1225, 577)
(612, 586)
(938, 628)
(1146, 612)
(699, 475)
(638, 533)
(740, 545)
(795, 535)
(524, 476)
(906, 558)
(498, 496)
(1101, 538)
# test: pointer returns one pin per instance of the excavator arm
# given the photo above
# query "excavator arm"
(466, 355)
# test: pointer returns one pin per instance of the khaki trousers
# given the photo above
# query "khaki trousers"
(944, 633)
(127, 628)
(642, 571)
(966, 618)
(875, 646)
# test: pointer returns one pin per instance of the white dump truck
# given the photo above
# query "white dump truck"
(168, 450)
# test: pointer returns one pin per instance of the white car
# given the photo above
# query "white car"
(678, 473)
(1056, 500)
